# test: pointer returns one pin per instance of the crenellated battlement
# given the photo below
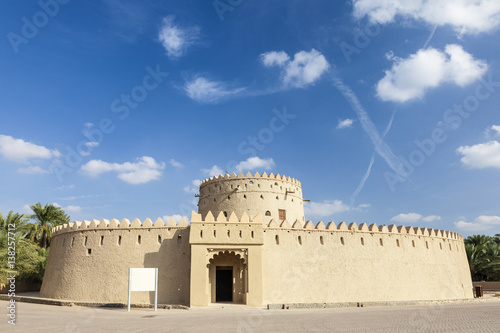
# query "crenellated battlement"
(273, 224)
(364, 228)
(116, 224)
(221, 218)
(240, 176)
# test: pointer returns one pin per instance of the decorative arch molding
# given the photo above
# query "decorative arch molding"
(238, 256)
(237, 260)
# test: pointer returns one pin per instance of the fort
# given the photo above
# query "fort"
(250, 244)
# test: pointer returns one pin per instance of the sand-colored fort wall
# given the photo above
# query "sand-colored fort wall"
(265, 194)
(89, 260)
(299, 263)
(314, 264)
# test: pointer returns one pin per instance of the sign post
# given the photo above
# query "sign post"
(142, 279)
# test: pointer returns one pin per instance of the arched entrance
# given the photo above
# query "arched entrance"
(227, 277)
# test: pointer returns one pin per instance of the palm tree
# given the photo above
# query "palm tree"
(15, 222)
(45, 219)
(29, 257)
(483, 253)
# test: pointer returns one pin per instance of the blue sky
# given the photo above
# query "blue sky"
(386, 111)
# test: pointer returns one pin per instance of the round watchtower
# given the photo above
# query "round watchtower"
(275, 197)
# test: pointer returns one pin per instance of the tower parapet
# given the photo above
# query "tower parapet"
(274, 196)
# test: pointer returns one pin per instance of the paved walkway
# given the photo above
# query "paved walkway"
(481, 317)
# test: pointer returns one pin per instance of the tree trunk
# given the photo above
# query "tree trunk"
(44, 239)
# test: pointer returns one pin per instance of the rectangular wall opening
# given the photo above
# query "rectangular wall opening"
(224, 284)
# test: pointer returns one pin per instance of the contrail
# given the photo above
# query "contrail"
(380, 146)
(369, 170)
(430, 36)
(363, 181)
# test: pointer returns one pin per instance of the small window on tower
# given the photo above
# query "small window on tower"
(268, 213)
(282, 214)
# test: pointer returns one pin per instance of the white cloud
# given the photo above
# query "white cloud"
(69, 208)
(65, 187)
(345, 123)
(26, 209)
(193, 189)
(274, 58)
(176, 217)
(189, 189)
(92, 144)
(32, 170)
(77, 197)
(72, 209)
(255, 163)
(407, 218)
(303, 70)
(213, 171)
(204, 90)
(20, 151)
(431, 218)
(428, 68)
(143, 170)
(480, 223)
(175, 39)
(465, 16)
(480, 156)
(414, 217)
(492, 131)
(325, 208)
(175, 163)
(496, 128)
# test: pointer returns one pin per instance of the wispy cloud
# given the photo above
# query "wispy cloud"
(78, 197)
(143, 170)
(194, 188)
(204, 90)
(414, 217)
(69, 209)
(128, 19)
(346, 123)
(20, 151)
(480, 224)
(175, 164)
(329, 207)
(492, 131)
(176, 39)
(176, 217)
(410, 78)
(213, 171)
(32, 170)
(325, 208)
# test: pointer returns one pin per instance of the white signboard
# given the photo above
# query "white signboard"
(142, 279)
